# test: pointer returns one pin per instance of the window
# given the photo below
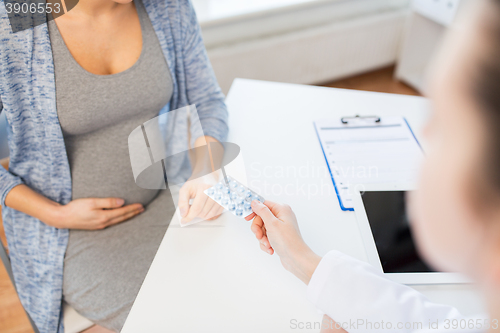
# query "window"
(208, 10)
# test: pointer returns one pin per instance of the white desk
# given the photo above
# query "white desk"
(216, 279)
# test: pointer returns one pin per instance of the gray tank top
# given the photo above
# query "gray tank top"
(98, 112)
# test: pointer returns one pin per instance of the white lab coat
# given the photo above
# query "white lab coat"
(361, 299)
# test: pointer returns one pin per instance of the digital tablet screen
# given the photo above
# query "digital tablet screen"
(386, 212)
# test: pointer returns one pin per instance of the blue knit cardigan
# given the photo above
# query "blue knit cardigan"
(37, 151)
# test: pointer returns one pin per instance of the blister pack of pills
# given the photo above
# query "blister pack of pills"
(236, 198)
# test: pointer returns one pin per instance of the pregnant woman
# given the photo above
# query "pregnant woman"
(78, 227)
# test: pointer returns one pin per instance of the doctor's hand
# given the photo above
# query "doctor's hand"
(275, 226)
(202, 206)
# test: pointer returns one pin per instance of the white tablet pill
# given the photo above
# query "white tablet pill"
(236, 199)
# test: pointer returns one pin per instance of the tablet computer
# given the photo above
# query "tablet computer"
(381, 213)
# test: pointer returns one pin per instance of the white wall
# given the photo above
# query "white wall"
(309, 42)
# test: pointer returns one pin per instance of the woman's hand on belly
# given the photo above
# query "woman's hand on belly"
(85, 213)
(94, 213)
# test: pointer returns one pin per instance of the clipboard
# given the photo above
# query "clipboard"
(366, 150)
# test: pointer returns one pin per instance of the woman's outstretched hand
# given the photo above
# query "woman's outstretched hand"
(276, 228)
(202, 206)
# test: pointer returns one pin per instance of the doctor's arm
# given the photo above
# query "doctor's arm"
(351, 292)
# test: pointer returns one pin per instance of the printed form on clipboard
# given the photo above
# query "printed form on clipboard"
(363, 150)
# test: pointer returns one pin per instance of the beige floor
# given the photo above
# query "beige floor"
(12, 316)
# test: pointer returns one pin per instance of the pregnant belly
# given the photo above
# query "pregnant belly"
(101, 169)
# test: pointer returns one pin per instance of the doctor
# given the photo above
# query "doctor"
(456, 212)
